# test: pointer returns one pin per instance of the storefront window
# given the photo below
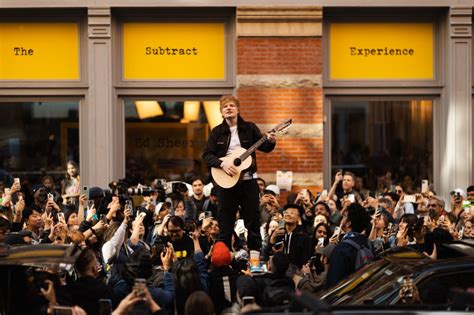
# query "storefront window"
(383, 142)
(36, 139)
(165, 139)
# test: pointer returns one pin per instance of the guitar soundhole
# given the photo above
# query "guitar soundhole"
(237, 162)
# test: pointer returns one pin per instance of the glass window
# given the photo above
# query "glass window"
(165, 139)
(36, 139)
(383, 142)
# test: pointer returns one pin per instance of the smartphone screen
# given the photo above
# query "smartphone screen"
(409, 198)
(351, 197)
(248, 300)
(105, 307)
(424, 186)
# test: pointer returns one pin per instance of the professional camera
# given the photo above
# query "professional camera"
(141, 191)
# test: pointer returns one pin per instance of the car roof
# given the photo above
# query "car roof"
(40, 255)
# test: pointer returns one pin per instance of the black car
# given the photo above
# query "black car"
(438, 281)
(23, 271)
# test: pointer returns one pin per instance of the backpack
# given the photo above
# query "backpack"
(364, 254)
(278, 292)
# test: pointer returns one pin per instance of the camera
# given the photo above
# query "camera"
(141, 191)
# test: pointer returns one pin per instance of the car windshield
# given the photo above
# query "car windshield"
(379, 278)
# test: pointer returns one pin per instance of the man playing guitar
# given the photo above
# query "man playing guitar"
(235, 133)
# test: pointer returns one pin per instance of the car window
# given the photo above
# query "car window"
(354, 281)
(441, 289)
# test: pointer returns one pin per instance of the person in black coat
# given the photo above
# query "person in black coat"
(87, 290)
(232, 134)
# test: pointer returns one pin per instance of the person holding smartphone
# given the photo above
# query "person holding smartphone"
(348, 180)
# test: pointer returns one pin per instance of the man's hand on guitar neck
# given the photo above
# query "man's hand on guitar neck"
(271, 136)
(229, 168)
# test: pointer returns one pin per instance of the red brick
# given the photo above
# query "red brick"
(279, 56)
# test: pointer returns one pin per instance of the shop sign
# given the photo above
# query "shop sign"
(39, 51)
(173, 51)
(386, 51)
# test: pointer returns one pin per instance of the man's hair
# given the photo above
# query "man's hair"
(85, 259)
(279, 264)
(393, 196)
(29, 211)
(227, 99)
(294, 206)
(195, 178)
(358, 217)
(246, 286)
(325, 205)
(470, 188)
(351, 175)
(176, 221)
(387, 201)
(199, 303)
(259, 178)
(439, 201)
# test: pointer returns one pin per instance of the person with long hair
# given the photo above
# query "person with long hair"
(70, 186)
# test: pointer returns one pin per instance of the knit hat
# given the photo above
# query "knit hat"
(220, 255)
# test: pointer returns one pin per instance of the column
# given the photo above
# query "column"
(456, 147)
(99, 114)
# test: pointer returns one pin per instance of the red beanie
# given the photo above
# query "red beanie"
(220, 255)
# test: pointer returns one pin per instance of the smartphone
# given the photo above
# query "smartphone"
(139, 287)
(7, 191)
(378, 213)
(337, 231)
(62, 310)
(50, 196)
(90, 204)
(324, 193)
(351, 198)
(281, 224)
(424, 186)
(425, 220)
(16, 180)
(320, 241)
(103, 218)
(246, 300)
(105, 307)
(85, 191)
(409, 198)
(61, 217)
(207, 214)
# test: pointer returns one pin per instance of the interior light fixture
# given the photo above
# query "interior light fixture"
(148, 109)
(191, 111)
(213, 113)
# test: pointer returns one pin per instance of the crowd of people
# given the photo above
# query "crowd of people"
(170, 249)
(161, 253)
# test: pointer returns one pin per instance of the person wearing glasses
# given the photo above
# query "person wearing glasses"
(182, 244)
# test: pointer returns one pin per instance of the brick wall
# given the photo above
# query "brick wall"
(282, 56)
(279, 56)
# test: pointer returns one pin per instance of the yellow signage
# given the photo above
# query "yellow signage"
(391, 51)
(176, 51)
(39, 51)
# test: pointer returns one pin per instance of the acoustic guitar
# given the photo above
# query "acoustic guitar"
(242, 160)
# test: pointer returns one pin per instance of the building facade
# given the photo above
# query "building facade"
(131, 87)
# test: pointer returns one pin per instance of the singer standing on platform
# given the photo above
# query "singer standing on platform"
(234, 132)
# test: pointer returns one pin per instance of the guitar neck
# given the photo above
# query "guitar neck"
(253, 148)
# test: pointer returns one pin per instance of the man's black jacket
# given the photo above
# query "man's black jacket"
(219, 139)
